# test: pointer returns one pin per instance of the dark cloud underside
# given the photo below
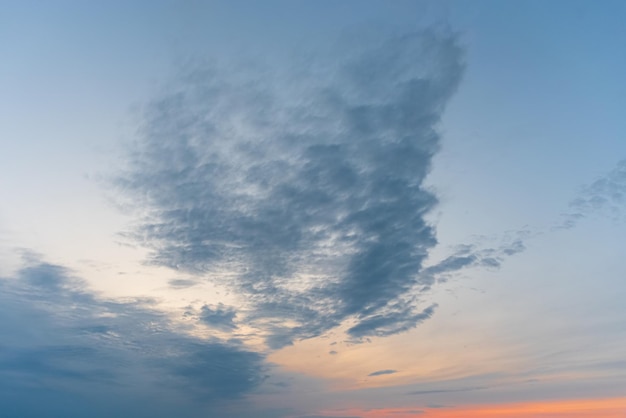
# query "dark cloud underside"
(306, 185)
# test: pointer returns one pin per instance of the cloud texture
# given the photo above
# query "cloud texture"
(61, 345)
(301, 189)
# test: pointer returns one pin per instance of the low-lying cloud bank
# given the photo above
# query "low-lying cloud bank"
(63, 347)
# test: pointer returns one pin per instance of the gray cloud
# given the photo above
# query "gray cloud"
(465, 256)
(218, 371)
(382, 372)
(306, 186)
(61, 342)
(219, 317)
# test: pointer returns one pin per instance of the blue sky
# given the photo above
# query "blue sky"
(310, 208)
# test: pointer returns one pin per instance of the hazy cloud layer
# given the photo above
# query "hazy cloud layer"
(327, 416)
(181, 283)
(61, 342)
(301, 189)
(434, 391)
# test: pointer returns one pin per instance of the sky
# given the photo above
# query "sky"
(307, 209)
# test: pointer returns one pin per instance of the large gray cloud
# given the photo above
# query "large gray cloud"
(302, 189)
(65, 352)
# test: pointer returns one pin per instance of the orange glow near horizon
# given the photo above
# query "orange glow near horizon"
(589, 408)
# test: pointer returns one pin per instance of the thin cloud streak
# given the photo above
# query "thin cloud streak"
(382, 372)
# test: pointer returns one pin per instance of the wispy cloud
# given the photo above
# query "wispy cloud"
(454, 390)
(309, 195)
(606, 195)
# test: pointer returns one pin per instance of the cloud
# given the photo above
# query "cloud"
(301, 190)
(395, 320)
(606, 195)
(435, 391)
(59, 341)
(181, 283)
(477, 254)
(219, 317)
(382, 372)
(218, 371)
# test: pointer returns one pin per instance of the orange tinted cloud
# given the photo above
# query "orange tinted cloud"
(590, 408)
